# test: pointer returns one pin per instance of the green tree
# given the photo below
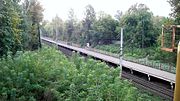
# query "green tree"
(176, 9)
(138, 24)
(10, 33)
(118, 15)
(57, 24)
(33, 9)
(105, 28)
(77, 32)
(70, 25)
(90, 17)
(49, 32)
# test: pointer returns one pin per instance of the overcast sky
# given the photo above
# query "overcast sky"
(61, 7)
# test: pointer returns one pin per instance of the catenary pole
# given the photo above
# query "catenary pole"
(121, 48)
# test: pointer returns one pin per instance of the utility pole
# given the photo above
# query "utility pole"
(121, 48)
(177, 85)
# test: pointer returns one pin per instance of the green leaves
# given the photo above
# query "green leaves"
(16, 32)
(105, 28)
(175, 4)
(138, 25)
(46, 74)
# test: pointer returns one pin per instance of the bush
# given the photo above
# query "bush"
(48, 75)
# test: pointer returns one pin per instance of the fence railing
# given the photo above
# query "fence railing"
(143, 61)
(154, 64)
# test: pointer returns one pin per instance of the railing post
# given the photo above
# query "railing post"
(177, 85)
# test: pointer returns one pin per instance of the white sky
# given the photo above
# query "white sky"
(61, 7)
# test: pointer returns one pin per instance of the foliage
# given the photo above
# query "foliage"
(28, 75)
(70, 24)
(33, 10)
(141, 28)
(113, 48)
(18, 30)
(48, 29)
(138, 25)
(105, 27)
(10, 33)
(46, 74)
(56, 27)
(176, 9)
(88, 21)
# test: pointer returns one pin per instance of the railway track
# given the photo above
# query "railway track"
(143, 83)
(156, 87)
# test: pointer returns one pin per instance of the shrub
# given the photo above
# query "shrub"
(48, 75)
